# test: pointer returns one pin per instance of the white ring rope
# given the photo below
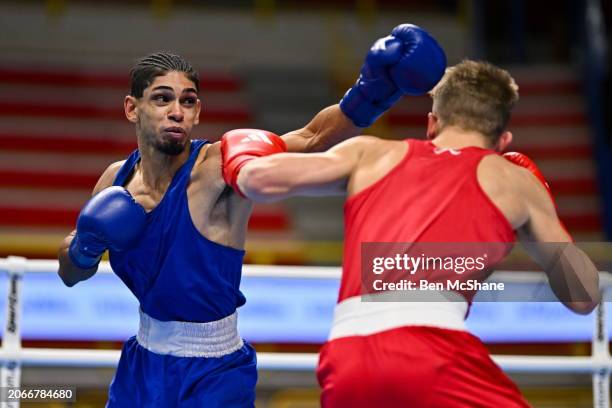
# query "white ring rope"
(298, 272)
(38, 357)
(13, 356)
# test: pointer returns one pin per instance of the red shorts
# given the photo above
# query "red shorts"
(413, 366)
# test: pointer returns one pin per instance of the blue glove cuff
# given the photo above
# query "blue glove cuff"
(358, 109)
(79, 258)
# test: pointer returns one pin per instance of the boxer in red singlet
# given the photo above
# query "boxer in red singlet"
(452, 188)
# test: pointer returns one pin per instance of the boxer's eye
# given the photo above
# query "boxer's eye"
(161, 98)
(189, 101)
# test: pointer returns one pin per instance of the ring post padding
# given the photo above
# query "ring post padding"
(600, 351)
(10, 374)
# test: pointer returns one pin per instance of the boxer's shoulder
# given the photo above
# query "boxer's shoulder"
(366, 145)
(376, 150)
(208, 154)
(108, 176)
(377, 158)
(496, 172)
(212, 203)
(207, 186)
(385, 145)
(207, 167)
(504, 184)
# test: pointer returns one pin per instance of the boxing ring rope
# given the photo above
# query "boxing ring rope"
(13, 356)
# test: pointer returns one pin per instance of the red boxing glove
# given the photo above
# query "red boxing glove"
(521, 160)
(238, 146)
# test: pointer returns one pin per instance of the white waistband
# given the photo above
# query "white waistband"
(359, 317)
(188, 339)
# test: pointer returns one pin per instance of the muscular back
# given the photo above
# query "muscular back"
(509, 187)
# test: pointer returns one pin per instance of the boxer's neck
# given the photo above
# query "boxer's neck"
(157, 168)
(453, 137)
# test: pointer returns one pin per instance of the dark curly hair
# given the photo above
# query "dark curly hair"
(143, 73)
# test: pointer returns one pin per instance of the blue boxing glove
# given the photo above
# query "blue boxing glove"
(407, 62)
(110, 219)
(422, 64)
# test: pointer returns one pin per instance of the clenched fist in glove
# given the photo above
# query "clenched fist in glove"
(407, 62)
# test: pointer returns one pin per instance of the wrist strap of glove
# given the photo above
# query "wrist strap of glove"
(80, 259)
(358, 109)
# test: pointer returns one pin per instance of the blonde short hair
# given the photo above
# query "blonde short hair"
(475, 96)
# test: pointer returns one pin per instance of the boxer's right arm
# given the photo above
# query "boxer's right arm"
(572, 275)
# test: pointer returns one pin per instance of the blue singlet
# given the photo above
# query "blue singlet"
(178, 275)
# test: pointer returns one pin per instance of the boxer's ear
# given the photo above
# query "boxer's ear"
(503, 142)
(198, 110)
(433, 126)
(130, 108)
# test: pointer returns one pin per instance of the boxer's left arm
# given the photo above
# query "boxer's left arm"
(572, 275)
(328, 128)
(409, 61)
(283, 175)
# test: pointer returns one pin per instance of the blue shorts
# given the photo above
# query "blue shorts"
(146, 379)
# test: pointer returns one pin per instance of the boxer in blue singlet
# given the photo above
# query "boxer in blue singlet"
(175, 229)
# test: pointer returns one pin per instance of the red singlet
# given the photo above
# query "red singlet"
(431, 195)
